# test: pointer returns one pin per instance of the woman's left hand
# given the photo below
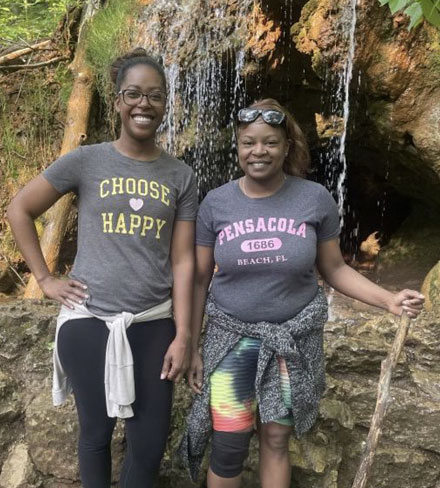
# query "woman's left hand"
(409, 301)
(176, 360)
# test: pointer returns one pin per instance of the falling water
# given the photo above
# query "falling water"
(345, 81)
(202, 46)
(334, 158)
(338, 86)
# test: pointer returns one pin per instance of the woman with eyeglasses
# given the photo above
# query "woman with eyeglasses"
(123, 333)
(262, 236)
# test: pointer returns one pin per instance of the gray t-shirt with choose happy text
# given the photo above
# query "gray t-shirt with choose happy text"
(265, 248)
(126, 211)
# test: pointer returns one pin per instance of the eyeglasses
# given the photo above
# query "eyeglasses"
(272, 117)
(134, 97)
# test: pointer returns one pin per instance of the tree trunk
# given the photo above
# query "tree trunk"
(75, 133)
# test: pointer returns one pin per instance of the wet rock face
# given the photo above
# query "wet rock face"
(397, 93)
(235, 52)
(38, 442)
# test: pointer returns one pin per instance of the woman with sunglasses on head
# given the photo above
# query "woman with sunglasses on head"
(123, 333)
(262, 352)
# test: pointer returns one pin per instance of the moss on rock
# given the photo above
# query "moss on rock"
(431, 289)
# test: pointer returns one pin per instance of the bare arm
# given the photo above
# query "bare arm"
(203, 275)
(32, 201)
(346, 280)
(182, 262)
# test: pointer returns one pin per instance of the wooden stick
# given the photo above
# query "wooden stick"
(382, 403)
(32, 66)
(22, 51)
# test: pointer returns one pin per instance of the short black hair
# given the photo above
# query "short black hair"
(119, 67)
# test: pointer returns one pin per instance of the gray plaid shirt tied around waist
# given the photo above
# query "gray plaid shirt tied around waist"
(299, 341)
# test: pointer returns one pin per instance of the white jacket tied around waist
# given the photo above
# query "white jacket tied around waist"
(118, 372)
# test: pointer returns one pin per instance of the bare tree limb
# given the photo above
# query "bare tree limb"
(382, 403)
(22, 51)
(35, 65)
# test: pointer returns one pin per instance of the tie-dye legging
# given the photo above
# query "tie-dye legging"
(233, 403)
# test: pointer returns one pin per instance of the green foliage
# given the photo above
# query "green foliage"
(108, 36)
(417, 10)
(11, 146)
(26, 126)
(30, 134)
(30, 20)
(64, 78)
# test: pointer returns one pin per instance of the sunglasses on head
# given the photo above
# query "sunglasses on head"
(272, 117)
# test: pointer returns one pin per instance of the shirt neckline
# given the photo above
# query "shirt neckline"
(276, 194)
(114, 151)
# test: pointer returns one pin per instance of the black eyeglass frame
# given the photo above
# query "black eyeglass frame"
(248, 115)
(146, 95)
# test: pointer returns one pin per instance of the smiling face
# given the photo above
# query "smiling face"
(262, 149)
(140, 122)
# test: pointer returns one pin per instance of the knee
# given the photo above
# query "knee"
(276, 438)
(229, 451)
(96, 439)
(94, 444)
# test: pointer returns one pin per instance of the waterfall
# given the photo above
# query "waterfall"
(334, 158)
(202, 47)
(346, 77)
(338, 85)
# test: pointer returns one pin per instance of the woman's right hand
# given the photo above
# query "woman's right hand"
(67, 292)
(195, 372)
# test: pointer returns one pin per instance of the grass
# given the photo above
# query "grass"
(64, 78)
(107, 37)
(27, 125)
(12, 150)
(30, 136)
(29, 20)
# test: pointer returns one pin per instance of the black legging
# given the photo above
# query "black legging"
(81, 347)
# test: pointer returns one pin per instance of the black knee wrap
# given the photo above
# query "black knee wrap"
(229, 451)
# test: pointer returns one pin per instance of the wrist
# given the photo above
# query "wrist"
(43, 278)
(390, 302)
(195, 342)
(183, 336)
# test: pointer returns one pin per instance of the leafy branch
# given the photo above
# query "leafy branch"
(417, 10)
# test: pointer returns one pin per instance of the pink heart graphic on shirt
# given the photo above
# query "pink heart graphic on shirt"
(136, 203)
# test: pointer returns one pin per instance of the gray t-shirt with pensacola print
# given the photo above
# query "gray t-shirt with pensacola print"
(126, 212)
(265, 248)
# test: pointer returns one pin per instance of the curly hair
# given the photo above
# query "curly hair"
(120, 66)
(297, 161)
